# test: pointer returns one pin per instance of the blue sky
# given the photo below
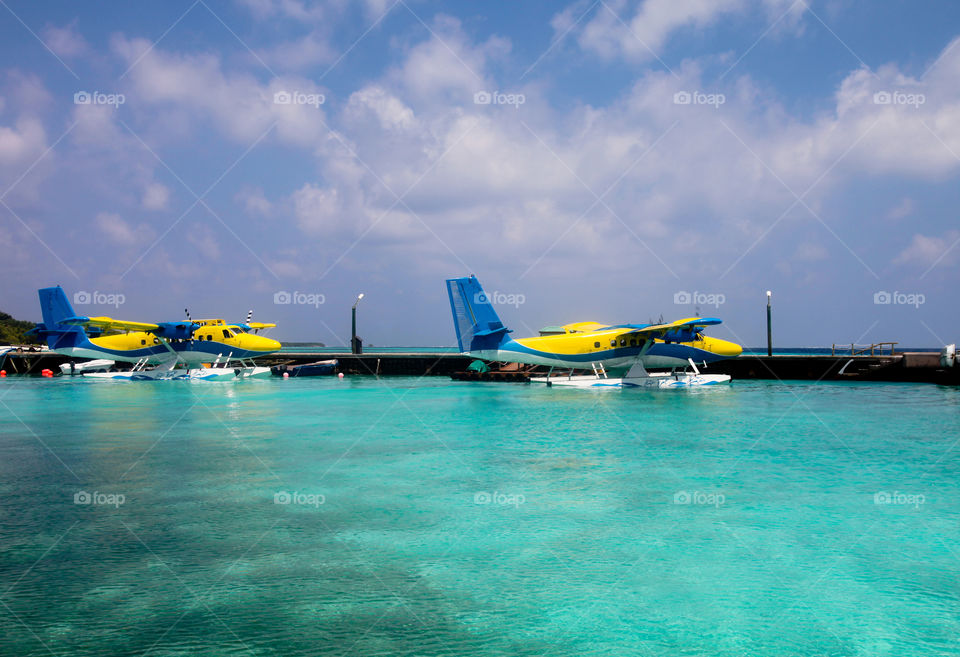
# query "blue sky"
(637, 159)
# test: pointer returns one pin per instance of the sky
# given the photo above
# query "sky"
(610, 160)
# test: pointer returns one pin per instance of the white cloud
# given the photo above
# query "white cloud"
(446, 68)
(237, 104)
(317, 210)
(120, 232)
(22, 142)
(309, 50)
(155, 197)
(255, 203)
(506, 181)
(924, 251)
(391, 112)
(517, 180)
(65, 41)
(294, 9)
(810, 252)
(26, 93)
(206, 242)
(640, 30)
(306, 12)
(902, 210)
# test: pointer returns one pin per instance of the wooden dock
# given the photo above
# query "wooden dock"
(909, 367)
(379, 364)
(921, 367)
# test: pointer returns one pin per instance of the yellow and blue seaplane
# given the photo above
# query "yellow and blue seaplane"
(191, 349)
(602, 348)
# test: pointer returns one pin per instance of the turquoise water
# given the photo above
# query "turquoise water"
(427, 517)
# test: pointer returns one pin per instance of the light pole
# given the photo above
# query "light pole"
(355, 347)
(769, 330)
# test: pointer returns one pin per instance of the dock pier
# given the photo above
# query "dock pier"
(915, 367)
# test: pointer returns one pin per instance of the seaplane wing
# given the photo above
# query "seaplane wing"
(110, 324)
(256, 326)
(682, 330)
(166, 330)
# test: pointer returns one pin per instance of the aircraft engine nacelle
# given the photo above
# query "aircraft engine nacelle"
(680, 335)
(175, 330)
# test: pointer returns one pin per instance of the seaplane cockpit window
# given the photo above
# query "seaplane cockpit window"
(227, 333)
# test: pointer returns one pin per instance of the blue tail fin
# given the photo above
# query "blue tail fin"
(478, 326)
(55, 308)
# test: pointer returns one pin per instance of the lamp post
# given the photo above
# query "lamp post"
(769, 330)
(355, 347)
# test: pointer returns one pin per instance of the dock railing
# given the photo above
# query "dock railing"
(874, 349)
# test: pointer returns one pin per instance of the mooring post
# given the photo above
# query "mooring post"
(354, 347)
(769, 328)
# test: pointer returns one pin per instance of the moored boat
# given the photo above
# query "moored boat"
(318, 368)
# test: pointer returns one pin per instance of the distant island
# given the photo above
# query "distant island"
(14, 331)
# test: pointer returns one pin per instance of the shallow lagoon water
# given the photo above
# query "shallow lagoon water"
(428, 517)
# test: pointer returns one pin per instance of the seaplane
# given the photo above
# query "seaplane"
(194, 349)
(603, 349)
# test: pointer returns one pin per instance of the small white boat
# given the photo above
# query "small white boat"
(97, 365)
(636, 377)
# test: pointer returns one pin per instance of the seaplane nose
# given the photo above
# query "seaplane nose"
(725, 349)
(266, 344)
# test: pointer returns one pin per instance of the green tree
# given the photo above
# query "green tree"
(13, 331)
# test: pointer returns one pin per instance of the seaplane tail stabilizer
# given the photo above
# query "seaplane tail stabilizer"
(478, 326)
(57, 311)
